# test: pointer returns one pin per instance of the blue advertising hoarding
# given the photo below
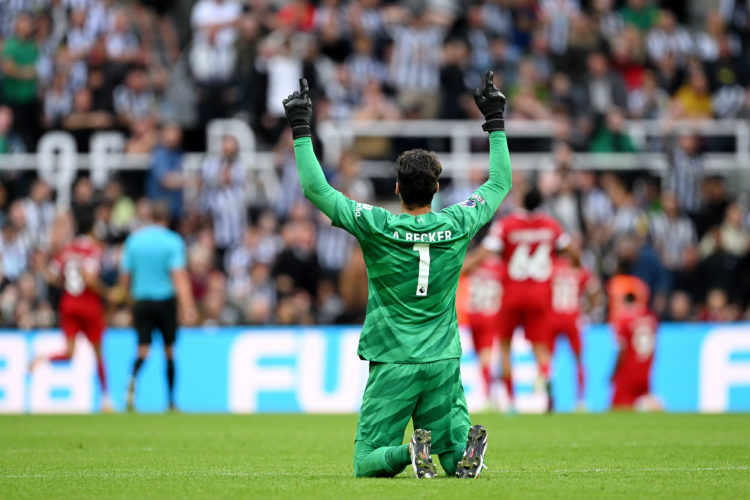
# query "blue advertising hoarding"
(697, 367)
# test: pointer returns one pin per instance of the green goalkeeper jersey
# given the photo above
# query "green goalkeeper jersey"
(413, 262)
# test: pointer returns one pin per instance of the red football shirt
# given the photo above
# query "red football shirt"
(527, 243)
(635, 330)
(82, 254)
(486, 288)
(568, 285)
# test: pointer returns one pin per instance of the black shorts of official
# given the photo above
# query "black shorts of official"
(156, 314)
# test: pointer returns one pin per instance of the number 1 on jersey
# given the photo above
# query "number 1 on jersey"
(423, 278)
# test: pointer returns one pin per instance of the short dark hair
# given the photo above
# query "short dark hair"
(160, 212)
(417, 172)
(85, 221)
(532, 199)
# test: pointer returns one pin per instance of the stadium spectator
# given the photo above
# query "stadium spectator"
(415, 63)
(83, 119)
(604, 88)
(732, 235)
(649, 101)
(611, 136)
(213, 65)
(641, 14)
(58, 102)
(134, 100)
(667, 37)
(165, 179)
(297, 266)
(18, 87)
(223, 197)
(364, 66)
(10, 141)
(708, 41)
(686, 172)
(122, 45)
(15, 243)
(38, 213)
(672, 233)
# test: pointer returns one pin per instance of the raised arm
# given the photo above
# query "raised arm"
(481, 207)
(298, 108)
(491, 102)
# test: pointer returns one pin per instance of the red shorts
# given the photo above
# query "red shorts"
(629, 387)
(483, 330)
(85, 317)
(527, 307)
(562, 324)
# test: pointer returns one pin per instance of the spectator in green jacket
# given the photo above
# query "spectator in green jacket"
(611, 137)
(18, 86)
(640, 13)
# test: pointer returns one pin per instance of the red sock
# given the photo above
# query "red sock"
(59, 357)
(102, 376)
(487, 377)
(581, 379)
(508, 383)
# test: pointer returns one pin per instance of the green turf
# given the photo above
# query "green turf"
(218, 456)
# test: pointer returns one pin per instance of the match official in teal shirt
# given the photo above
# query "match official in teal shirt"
(153, 271)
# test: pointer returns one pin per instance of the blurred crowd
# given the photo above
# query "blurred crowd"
(159, 70)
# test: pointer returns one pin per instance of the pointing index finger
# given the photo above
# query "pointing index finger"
(489, 79)
(303, 87)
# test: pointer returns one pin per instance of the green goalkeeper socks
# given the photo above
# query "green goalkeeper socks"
(387, 461)
(449, 460)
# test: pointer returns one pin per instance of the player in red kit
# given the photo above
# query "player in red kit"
(635, 330)
(76, 268)
(569, 283)
(526, 241)
(485, 296)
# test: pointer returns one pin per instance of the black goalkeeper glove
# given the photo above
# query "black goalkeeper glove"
(298, 109)
(491, 102)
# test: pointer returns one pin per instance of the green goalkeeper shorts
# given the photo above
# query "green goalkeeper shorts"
(430, 393)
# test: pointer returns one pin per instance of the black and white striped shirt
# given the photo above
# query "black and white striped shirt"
(671, 238)
(225, 202)
(416, 58)
(684, 179)
(334, 247)
(15, 254)
(135, 105)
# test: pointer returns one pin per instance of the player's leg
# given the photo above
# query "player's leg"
(508, 319)
(387, 405)
(442, 410)
(144, 325)
(70, 328)
(543, 360)
(94, 331)
(167, 325)
(538, 331)
(626, 391)
(573, 333)
(482, 335)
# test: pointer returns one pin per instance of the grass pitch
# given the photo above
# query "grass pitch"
(295, 456)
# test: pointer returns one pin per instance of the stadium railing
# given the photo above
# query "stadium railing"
(57, 159)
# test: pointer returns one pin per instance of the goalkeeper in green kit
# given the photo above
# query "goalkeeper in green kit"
(410, 335)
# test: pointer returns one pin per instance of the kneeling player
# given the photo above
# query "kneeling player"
(635, 329)
(410, 335)
(76, 267)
